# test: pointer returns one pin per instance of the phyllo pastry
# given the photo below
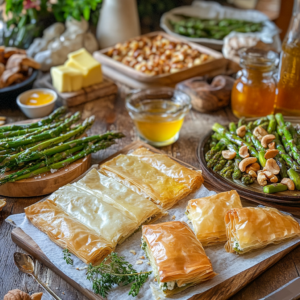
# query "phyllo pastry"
(134, 206)
(159, 177)
(68, 233)
(91, 211)
(177, 258)
(207, 215)
(250, 228)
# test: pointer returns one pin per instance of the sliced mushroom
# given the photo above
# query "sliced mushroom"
(262, 179)
(267, 139)
(227, 154)
(272, 166)
(243, 152)
(254, 167)
(252, 173)
(271, 145)
(274, 179)
(259, 132)
(289, 183)
(246, 162)
(271, 153)
(241, 131)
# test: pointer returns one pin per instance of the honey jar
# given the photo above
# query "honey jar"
(253, 93)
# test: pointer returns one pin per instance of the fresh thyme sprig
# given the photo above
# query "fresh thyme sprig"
(67, 257)
(115, 270)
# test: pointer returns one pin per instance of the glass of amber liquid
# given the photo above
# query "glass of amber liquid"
(253, 93)
(158, 114)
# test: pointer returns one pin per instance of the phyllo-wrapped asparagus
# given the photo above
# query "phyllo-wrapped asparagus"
(177, 258)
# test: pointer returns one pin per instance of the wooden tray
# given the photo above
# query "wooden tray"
(253, 191)
(46, 183)
(165, 79)
(106, 90)
(222, 291)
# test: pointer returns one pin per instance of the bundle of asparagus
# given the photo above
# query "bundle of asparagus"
(48, 145)
(266, 150)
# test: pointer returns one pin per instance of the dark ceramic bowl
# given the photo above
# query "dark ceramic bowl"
(9, 94)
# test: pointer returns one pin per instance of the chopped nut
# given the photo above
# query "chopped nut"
(243, 152)
(271, 145)
(290, 184)
(133, 252)
(259, 132)
(246, 162)
(227, 154)
(142, 257)
(268, 174)
(272, 166)
(252, 173)
(262, 179)
(267, 139)
(274, 179)
(173, 218)
(271, 153)
(241, 131)
(139, 262)
(255, 167)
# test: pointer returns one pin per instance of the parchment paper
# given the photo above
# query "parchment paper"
(225, 264)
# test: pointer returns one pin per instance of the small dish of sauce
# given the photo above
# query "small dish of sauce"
(37, 98)
(158, 114)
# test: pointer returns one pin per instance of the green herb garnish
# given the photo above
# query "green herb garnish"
(67, 257)
(115, 270)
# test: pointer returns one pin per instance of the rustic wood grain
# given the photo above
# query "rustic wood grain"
(111, 116)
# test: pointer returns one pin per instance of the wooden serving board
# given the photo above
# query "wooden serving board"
(222, 291)
(46, 183)
(106, 90)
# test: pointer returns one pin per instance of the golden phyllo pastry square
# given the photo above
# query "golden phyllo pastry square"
(94, 213)
(155, 175)
(207, 215)
(133, 205)
(177, 258)
(68, 232)
(251, 228)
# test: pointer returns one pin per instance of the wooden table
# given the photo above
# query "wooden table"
(115, 117)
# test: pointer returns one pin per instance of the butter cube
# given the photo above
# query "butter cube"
(66, 79)
(84, 62)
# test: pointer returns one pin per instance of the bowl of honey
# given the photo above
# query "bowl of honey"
(37, 103)
(158, 114)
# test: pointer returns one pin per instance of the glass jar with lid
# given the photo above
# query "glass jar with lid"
(253, 93)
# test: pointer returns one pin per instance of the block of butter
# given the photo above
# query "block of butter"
(66, 79)
(84, 62)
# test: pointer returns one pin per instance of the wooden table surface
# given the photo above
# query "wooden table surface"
(115, 117)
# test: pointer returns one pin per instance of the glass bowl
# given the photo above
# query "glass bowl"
(158, 114)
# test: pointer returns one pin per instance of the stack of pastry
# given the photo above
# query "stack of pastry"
(15, 66)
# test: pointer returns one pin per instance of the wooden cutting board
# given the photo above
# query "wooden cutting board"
(46, 183)
(222, 291)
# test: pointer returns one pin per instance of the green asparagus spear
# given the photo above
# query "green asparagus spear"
(86, 151)
(40, 123)
(260, 121)
(247, 179)
(48, 134)
(295, 177)
(242, 121)
(280, 162)
(214, 159)
(272, 124)
(237, 174)
(232, 127)
(220, 164)
(214, 150)
(274, 188)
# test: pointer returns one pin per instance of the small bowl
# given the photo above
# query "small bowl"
(39, 111)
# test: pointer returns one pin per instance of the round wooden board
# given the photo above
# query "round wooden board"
(254, 191)
(46, 183)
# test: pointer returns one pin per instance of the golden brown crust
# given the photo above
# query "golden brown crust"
(67, 232)
(177, 253)
(257, 227)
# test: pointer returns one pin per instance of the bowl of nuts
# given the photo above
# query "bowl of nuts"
(160, 58)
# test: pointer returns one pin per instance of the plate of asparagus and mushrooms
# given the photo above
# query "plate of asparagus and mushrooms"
(32, 152)
(258, 157)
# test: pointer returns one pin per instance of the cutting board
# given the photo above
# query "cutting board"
(46, 183)
(106, 90)
(222, 291)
